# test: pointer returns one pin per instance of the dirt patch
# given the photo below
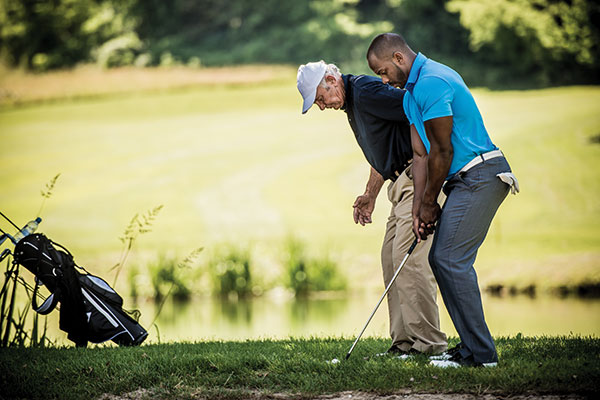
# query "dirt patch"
(149, 394)
(440, 396)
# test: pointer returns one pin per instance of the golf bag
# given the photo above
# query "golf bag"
(90, 310)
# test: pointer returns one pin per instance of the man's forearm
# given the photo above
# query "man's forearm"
(419, 174)
(438, 164)
(419, 169)
(439, 131)
(374, 184)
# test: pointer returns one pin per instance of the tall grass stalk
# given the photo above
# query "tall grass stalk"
(47, 192)
(137, 226)
(20, 336)
(11, 306)
(34, 330)
(186, 263)
(4, 292)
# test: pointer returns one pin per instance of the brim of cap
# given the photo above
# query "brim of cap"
(309, 101)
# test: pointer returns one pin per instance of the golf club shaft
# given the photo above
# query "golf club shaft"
(8, 219)
(387, 289)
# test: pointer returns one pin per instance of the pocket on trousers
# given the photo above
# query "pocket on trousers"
(457, 181)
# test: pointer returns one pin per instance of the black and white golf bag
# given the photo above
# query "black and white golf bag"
(90, 310)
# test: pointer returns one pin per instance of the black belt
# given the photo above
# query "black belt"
(396, 174)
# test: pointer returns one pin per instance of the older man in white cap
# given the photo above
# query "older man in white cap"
(377, 118)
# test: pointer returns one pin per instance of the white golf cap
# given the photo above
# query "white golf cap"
(309, 77)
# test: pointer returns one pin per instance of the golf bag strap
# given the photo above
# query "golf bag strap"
(48, 305)
(61, 246)
(68, 253)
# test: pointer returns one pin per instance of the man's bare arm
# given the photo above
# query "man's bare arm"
(419, 174)
(365, 204)
(441, 152)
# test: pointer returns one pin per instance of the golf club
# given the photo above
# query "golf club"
(8, 219)
(387, 289)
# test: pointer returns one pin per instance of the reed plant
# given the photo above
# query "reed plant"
(138, 225)
(304, 274)
(178, 288)
(168, 278)
(230, 269)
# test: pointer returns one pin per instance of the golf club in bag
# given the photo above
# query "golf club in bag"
(387, 289)
(90, 310)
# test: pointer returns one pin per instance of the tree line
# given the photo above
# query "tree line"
(491, 42)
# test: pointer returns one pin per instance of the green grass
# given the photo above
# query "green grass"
(240, 164)
(542, 365)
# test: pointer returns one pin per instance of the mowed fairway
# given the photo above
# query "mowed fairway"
(240, 164)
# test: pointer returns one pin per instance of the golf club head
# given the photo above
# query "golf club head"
(348, 355)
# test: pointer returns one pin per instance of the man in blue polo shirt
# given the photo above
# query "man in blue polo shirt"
(382, 131)
(453, 150)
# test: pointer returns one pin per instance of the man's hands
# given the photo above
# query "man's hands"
(363, 209)
(365, 204)
(429, 172)
(424, 221)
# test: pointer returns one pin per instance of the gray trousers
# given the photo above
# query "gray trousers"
(472, 200)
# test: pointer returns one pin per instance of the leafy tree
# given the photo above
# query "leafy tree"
(488, 41)
(551, 39)
(43, 34)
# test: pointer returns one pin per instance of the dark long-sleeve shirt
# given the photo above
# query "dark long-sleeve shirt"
(380, 126)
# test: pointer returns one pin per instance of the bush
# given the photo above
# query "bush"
(119, 51)
(296, 277)
(167, 277)
(132, 277)
(231, 274)
(304, 275)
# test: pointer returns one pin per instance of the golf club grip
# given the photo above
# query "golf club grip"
(413, 245)
(387, 289)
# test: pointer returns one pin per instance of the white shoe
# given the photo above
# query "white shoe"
(454, 364)
(448, 354)
(399, 357)
(489, 365)
(444, 356)
(444, 363)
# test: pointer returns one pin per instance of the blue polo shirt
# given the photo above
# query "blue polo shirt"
(380, 126)
(435, 91)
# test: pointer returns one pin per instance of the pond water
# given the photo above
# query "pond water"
(279, 317)
(282, 317)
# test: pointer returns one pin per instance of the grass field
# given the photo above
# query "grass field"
(295, 368)
(233, 160)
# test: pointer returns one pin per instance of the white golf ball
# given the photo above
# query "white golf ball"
(335, 361)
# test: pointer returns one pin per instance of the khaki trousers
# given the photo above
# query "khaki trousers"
(414, 316)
